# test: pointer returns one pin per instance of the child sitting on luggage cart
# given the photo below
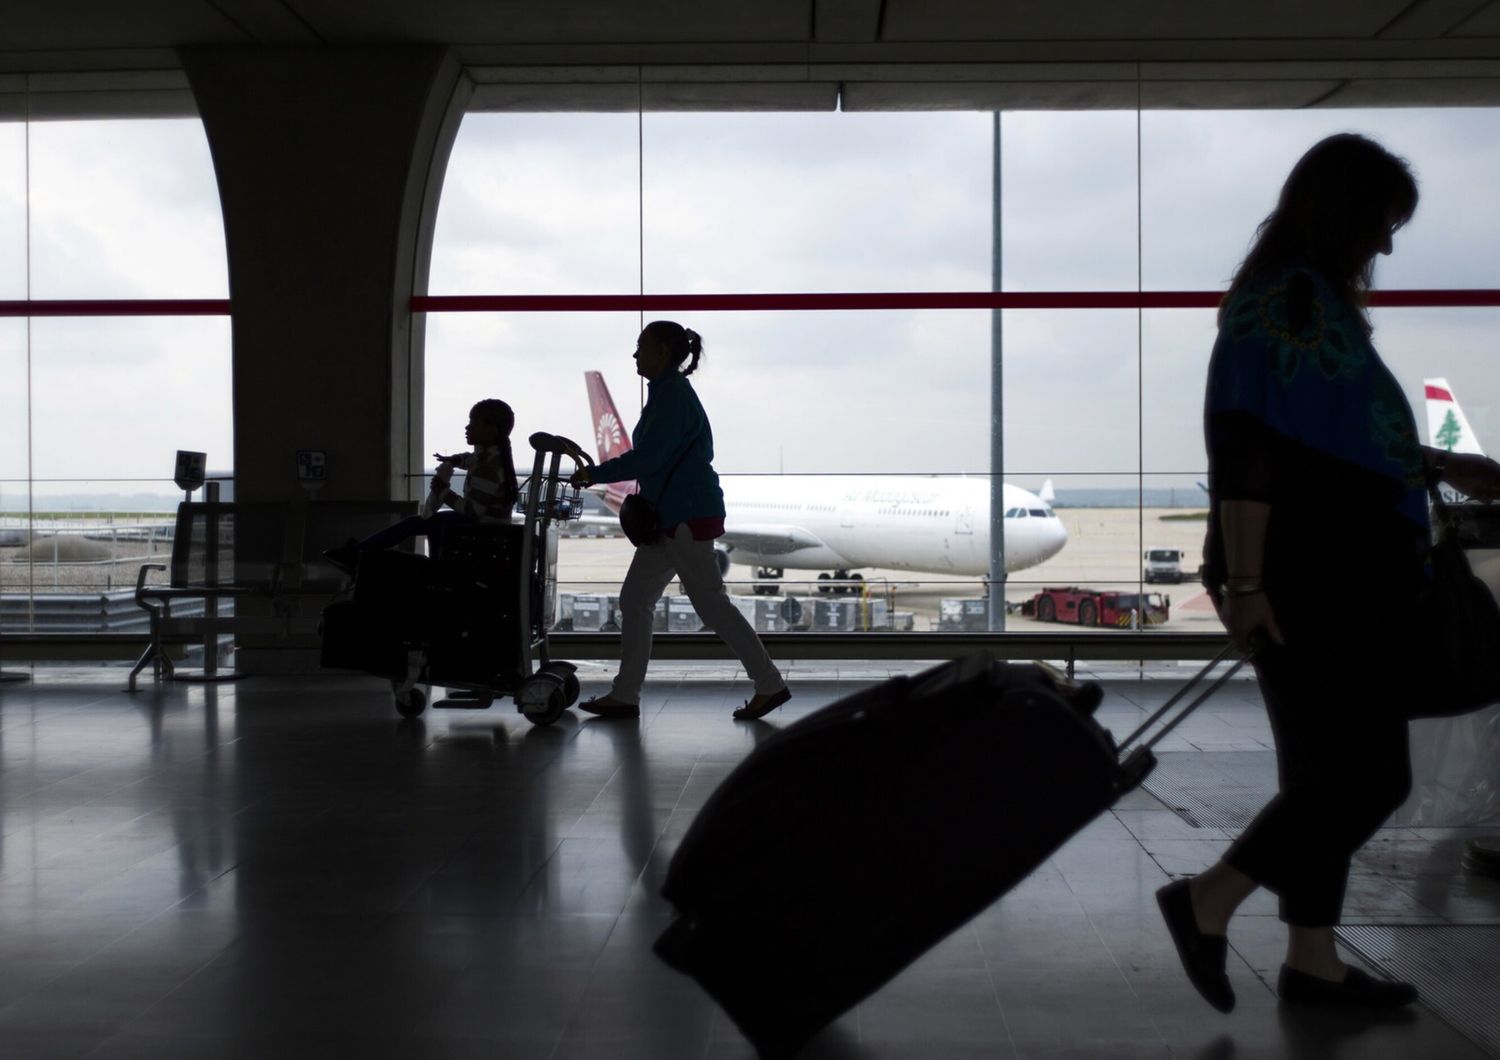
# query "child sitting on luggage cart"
(489, 495)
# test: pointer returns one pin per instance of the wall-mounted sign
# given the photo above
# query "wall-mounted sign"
(190, 470)
(312, 466)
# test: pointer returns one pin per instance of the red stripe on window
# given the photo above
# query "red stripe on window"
(1437, 393)
(631, 303)
(118, 307)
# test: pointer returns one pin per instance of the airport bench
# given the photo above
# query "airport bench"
(272, 551)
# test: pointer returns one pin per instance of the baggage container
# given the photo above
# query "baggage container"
(762, 612)
(681, 616)
(595, 612)
(963, 614)
(797, 612)
(835, 616)
(564, 612)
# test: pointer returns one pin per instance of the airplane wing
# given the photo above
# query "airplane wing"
(769, 539)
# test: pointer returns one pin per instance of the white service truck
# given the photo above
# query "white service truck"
(1164, 565)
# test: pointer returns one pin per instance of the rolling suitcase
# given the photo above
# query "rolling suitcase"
(847, 845)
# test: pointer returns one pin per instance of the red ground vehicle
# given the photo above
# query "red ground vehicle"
(1094, 607)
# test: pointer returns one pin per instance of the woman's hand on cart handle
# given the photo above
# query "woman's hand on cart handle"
(580, 479)
(1473, 475)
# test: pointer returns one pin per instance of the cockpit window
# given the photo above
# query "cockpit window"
(1016, 513)
(1039, 513)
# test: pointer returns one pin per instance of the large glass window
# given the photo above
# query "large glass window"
(1102, 413)
(94, 407)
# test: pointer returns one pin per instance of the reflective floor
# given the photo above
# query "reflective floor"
(282, 868)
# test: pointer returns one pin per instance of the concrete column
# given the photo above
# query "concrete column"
(329, 163)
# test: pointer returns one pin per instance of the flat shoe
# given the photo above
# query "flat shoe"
(1357, 990)
(770, 703)
(1203, 955)
(605, 707)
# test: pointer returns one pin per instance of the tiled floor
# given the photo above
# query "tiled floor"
(282, 868)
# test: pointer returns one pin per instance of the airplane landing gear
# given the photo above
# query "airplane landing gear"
(767, 574)
(839, 582)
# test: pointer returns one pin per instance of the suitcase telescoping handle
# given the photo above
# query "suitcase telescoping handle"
(1186, 690)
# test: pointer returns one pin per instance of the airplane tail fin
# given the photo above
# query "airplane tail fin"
(1447, 426)
(610, 438)
(1046, 493)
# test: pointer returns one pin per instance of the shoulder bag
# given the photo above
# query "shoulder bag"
(639, 517)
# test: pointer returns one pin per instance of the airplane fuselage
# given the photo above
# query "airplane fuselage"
(935, 525)
(928, 524)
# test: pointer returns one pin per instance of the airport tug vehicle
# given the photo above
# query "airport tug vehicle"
(475, 619)
(1094, 607)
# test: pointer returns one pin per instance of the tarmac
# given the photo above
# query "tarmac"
(1104, 551)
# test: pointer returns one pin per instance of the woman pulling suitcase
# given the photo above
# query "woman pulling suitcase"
(1303, 417)
(671, 458)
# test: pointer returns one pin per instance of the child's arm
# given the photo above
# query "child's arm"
(459, 460)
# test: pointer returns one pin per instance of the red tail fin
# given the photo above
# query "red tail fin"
(610, 436)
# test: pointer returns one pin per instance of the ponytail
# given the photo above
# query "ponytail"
(685, 343)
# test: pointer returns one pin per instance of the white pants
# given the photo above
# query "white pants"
(693, 562)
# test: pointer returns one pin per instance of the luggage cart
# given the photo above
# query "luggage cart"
(474, 620)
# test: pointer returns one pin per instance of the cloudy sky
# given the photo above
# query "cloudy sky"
(757, 203)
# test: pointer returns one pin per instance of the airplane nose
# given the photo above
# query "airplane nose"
(1057, 537)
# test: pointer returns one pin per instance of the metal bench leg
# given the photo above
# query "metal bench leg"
(155, 652)
(146, 656)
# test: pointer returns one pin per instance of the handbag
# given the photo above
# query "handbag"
(638, 516)
(1460, 670)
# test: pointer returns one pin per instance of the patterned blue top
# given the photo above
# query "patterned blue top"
(1292, 354)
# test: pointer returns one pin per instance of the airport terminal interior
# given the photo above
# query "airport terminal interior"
(956, 266)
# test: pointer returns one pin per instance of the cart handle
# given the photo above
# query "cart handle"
(543, 442)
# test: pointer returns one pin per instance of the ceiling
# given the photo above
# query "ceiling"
(72, 58)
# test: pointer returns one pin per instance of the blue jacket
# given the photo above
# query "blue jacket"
(673, 422)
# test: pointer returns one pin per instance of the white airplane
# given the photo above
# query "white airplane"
(836, 523)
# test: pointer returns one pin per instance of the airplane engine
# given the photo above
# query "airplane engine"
(721, 557)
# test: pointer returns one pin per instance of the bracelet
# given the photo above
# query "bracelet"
(1250, 589)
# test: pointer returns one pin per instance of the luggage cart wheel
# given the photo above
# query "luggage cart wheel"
(542, 699)
(411, 703)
